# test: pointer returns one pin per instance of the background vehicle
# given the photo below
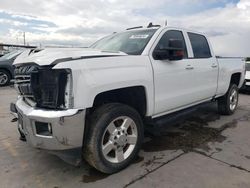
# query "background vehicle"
(96, 101)
(6, 67)
(246, 85)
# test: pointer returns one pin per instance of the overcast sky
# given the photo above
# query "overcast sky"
(80, 22)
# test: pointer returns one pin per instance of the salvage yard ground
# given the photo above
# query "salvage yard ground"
(204, 150)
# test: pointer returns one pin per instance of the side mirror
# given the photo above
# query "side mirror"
(174, 52)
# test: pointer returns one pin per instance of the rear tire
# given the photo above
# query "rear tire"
(228, 103)
(114, 137)
(4, 78)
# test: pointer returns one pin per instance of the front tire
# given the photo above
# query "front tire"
(114, 137)
(229, 102)
(4, 78)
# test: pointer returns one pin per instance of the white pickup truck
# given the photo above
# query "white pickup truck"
(93, 102)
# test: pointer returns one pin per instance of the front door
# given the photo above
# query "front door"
(172, 78)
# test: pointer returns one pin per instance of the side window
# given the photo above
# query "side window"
(199, 45)
(172, 34)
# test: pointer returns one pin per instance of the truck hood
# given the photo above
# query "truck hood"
(50, 56)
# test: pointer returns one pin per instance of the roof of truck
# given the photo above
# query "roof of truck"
(162, 28)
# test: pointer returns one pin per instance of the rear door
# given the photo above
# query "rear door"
(205, 67)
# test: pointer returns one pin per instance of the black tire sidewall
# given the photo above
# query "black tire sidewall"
(8, 75)
(232, 87)
(101, 125)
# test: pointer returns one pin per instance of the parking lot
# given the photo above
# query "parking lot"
(202, 150)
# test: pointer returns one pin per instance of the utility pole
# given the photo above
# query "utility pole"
(24, 38)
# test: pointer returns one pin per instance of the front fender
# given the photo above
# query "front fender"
(94, 76)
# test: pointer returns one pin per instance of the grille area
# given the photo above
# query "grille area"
(22, 80)
(42, 86)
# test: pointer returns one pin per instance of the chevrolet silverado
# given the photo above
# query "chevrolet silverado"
(93, 103)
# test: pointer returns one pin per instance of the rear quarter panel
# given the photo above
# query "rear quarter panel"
(227, 67)
(7, 65)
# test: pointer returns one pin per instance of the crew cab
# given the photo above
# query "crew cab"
(93, 103)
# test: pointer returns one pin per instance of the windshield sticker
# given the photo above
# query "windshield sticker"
(139, 36)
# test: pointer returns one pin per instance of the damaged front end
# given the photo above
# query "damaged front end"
(49, 88)
(46, 117)
(45, 87)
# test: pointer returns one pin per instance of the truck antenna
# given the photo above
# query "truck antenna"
(166, 22)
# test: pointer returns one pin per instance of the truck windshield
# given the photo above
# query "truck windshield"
(130, 42)
(10, 55)
(248, 66)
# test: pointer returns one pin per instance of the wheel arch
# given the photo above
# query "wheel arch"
(134, 96)
(7, 70)
(235, 78)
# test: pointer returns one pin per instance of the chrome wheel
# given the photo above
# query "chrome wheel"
(119, 139)
(233, 100)
(3, 78)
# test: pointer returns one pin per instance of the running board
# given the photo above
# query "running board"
(152, 126)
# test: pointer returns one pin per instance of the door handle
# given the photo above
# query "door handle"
(214, 66)
(189, 67)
